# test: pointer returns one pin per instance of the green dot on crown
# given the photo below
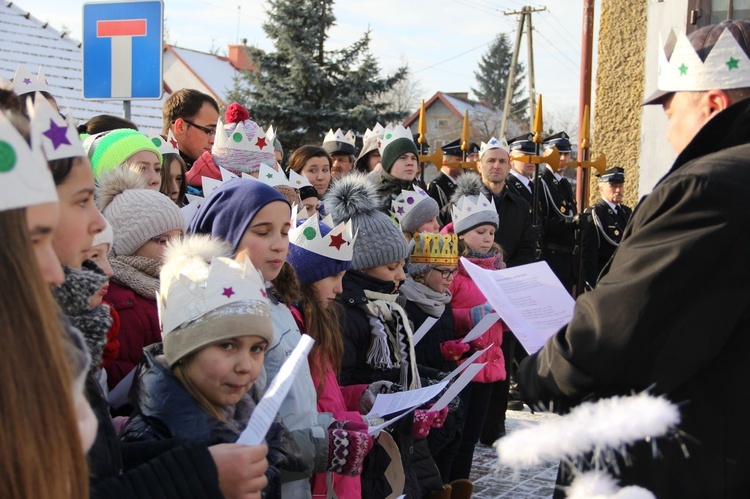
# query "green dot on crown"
(237, 137)
(7, 157)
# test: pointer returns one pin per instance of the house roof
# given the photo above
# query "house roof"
(26, 40)
(215, 72)
(458, 104)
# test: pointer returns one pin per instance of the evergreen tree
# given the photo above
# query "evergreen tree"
(492, 79)
(304, 89)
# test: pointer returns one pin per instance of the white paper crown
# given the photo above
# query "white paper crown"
(466, 207)
(338, 244)
(301, 211)
(271, 134)
(397, 132)
(407, 201)
(493, 143)
(377, 131)
(270, 176)
(168, 146)
(340, 136)
(238, 139)
(52, 132)
(25, 178)
(298, 181)
(189, 297)
(24, 82)
(726, 66)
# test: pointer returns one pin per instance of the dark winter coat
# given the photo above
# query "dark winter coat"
(139, 328)
(389, 187)
(559, 248)
(672, 312)
(514, 234)
(605, 229)
(441, 189)
(429, 357)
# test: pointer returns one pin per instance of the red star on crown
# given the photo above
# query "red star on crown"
(173, 142)
(228, 292)
(261, 142)
(337, 241)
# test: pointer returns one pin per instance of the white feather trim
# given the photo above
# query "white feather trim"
(598, 484)
(599, 427)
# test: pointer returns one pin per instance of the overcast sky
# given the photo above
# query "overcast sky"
(441, 40)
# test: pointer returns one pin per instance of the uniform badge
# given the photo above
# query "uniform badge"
(562, 209)
(617, 232)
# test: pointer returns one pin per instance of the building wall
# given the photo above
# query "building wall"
(620, 81)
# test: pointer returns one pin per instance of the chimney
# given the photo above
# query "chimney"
(238, 57)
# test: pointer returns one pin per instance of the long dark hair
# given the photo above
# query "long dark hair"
(323, 325)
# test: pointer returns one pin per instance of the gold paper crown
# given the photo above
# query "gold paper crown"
(428, 250)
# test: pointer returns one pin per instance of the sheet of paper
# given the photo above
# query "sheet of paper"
(268, 407)
(374, 430)
(388, 403)
(457, 386)
(118, 396)
(422, 331)
(466, 363)
(481, 327)
(529, 298)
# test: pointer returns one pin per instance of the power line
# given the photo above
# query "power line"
(563, 54)
(454, 57)
(572, 39)
(477, 6)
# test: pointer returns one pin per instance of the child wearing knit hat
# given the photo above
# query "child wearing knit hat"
(400, 164)
(200, 383)
(416, 212)
(320, 256)
(255, 219)
(143, 221)
(241, 146)
(125, 147)
(475, 221)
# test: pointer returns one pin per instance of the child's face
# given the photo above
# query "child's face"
(327, 289)
(431, 226)
(436, 280)
(480, 238)
(42, 221)
(223, 372)
(147, 164)
(266, 239)
(318, 172)
(311, 204)
(405, 167)
(98, 255)
(390, 272)
(80, 219)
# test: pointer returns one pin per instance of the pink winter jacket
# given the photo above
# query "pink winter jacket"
(466, 295)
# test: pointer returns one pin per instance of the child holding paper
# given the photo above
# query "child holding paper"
(320, 256)
(475, 221)
(199, 384)
(431, 269)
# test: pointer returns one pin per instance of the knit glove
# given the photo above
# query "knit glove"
(347, 450)
(477, 313)
(367, 399)
(423, 420)
(349, 425)
(440, 417)
(453, 349)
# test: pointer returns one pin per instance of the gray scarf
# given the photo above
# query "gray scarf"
(138, 273)
(427, 299)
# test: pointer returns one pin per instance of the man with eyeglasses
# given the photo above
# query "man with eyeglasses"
(192, 117)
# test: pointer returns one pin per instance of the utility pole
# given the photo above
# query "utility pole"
(524, 14)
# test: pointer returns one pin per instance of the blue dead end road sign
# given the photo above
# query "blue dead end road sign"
(122, 49)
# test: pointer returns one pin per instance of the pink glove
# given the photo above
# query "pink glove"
(423, 420)
(347, 451)
(453, 349)
(440, 416)
(477, 344)
(349, 426)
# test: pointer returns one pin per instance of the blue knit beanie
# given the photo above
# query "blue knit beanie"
(231, 207)
(312, 267)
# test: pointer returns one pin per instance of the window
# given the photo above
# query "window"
(442, 123)
(704, 12)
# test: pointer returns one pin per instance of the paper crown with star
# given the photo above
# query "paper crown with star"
(493, 143)
(726, 66)
(168, 146)
(472, 211)
(431, 248)
(413, 209)
(198, 280)
(271, 176)
(317, 251)
(298, 181)
(25, 83)
(241, 140)
(57, 138)
(392, 135)
(377, 131)
(24, 174)
(339, 142)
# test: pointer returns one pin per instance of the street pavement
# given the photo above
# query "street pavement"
(490, 482)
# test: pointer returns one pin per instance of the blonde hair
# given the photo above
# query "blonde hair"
(180, 371)
(322, 324)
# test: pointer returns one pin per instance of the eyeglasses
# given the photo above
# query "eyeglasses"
(164, 239)
(447, 273)
(208, 131)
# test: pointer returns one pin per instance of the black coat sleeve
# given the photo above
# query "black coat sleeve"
(646, 322)
(186, 471)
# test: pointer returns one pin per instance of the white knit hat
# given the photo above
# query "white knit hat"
(137, 214)
(105, 236)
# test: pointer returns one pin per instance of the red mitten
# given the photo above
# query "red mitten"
(112, 347)
(440, 416)
(347, 451)
(453, 349)
(420, 428)
(478, 344)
